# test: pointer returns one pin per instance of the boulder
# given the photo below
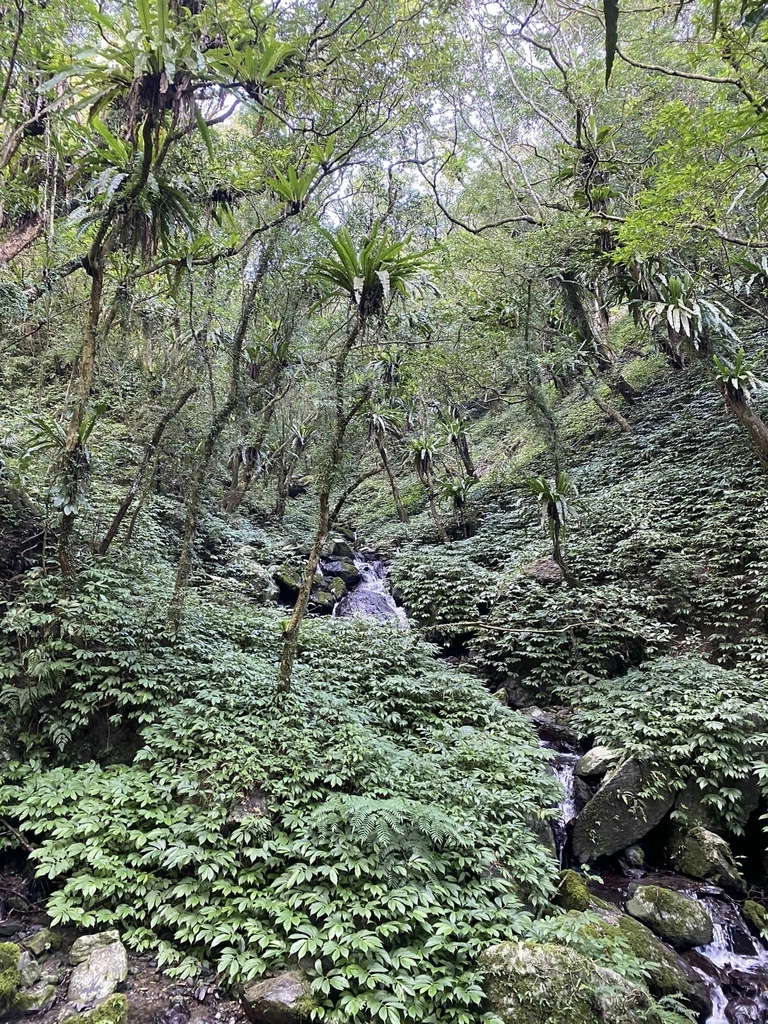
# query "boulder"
(322, 601)
(38, 998)
(617, 815)
(551, 725)
(528, 983)
(341, 548)
(345, 568)
(284, 999)
(705, 855)
(86, 944)
(251, 807)
(678, 919)
(288, 580)
(29, 970)
(112, 1011)
(21, 990)
(544, 570)
(43, 940)
(635, 856)
(96, 978)
(597, 762)
(756, 917)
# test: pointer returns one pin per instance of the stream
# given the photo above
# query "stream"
(734, 965)
(370, 597)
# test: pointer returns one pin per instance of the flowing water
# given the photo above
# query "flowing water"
(370, 597)
(734, 965)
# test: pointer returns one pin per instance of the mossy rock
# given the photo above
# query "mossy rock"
(756, 917)
(10, 981)
(112, 1011)
(678, 919)
(572, 892)
(542, 983)
(702, 854)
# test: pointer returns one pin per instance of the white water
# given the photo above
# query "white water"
(371, 597)
(733, 951)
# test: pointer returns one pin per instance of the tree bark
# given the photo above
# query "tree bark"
(749, 419)
(392, 481)
(609, 410)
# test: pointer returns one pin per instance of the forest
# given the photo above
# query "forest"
(383, 512)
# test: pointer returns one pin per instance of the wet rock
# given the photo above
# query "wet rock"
(705, 855)
(544, 570)
(284, 999)
(552, 725)
(96, 978)
(341, 549)
(618, 816)
(42, 941)
(597, 762)
(344, 568)
(529, 983)
(674, 917)
(179, 1013)
(112, 1011)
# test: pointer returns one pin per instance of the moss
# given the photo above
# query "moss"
(9, 976)
(112, 1011)
(530, 983)
(572, 892)
(756, 917)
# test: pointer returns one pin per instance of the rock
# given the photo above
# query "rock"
(501, 696)
(597, 761)
(39, 998)
(86, 944)
(634, 856)
(322, 601)
(756, 917)
(253, 806)
(572, 891)
(529, 983)
(284, 999)
(112, 1011)
(29, 970)
(95, 979)
(10, 955)
(345, 568)
(288, 581)
(674, 917)
(544, 570)
(43, 940)
(552, 726)
(617, 816)
(668, 973)
(179, 1013)
(702, 854)
(341, 549)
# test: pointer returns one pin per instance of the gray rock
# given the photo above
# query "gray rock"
(345, 568)
(634, 856)
(617, 816)
(95, 979)
(43, 940)
(528, 983)
(86, 944)
(254, 805)
(29, 970)
(551, 726)
(692, 809)
(702, 854)
(284, 999)
(39, 998)
(673, 916)
(544, 570)
(342, 549)
(597, 762)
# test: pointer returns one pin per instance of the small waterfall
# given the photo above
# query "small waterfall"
(563, 765)
(371, 597)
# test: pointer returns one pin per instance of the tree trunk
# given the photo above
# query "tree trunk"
(749, 419)
(461, 444)
(609, 410)
(149, 452)
(74, 447)
(591, 318)
(433, 509)
(392, 481)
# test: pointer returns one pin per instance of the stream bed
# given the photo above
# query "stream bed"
(734, 965)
